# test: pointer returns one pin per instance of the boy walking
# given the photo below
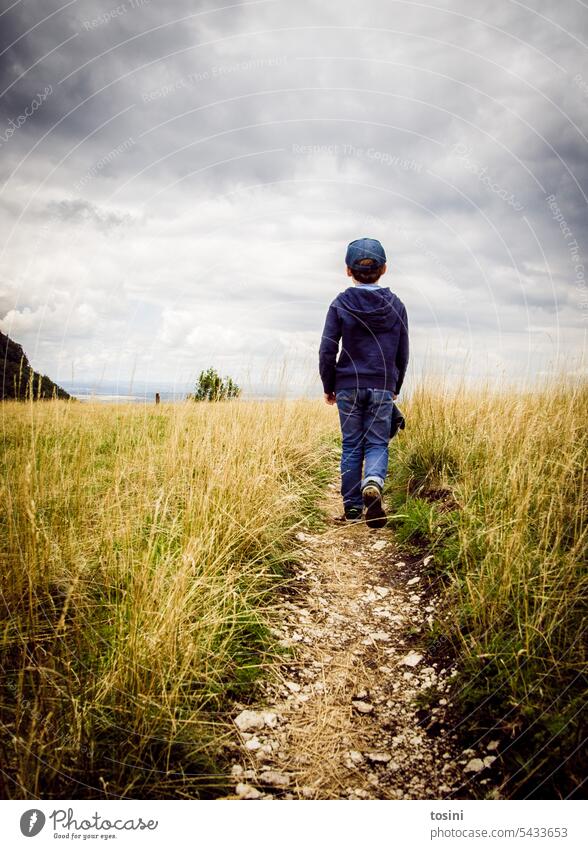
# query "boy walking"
(366, 377)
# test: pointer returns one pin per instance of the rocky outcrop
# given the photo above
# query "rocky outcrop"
(18, 378)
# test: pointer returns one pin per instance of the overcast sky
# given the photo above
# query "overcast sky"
(180, 181)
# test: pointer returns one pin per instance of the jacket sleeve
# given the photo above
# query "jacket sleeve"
(402, 350)
(329, 348)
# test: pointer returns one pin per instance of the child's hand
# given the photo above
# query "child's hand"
(329, 398)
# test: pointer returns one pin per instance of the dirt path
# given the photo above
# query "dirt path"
(340, 721)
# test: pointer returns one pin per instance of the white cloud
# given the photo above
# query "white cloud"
(217, 235)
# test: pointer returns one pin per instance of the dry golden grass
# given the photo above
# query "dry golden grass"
(136, 553)
(514, 553)
(139, 546)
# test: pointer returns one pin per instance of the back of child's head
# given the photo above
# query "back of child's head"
(367, 271)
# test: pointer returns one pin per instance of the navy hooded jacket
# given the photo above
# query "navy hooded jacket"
(373, 328)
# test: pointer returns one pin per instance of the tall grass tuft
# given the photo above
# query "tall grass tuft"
(496, 483)
(138, 547)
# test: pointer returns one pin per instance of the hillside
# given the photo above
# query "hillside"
(17, 372)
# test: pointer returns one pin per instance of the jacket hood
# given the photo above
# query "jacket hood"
(378, 309)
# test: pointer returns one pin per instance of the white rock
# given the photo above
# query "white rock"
(236, 770)
(253, 744)
(493, 745)
(249, 720)
(400, 563)
(246, 791)
(379, 545)
(411, 659)
(356, 757)
(427, 560)
(293, 687)
(489, 760)
(363, 707)
(382, 591)
(270, 719)
(474, 765)
(413, 581)
(379, 757)
(359, 793)
(378, 636)
(276, 779)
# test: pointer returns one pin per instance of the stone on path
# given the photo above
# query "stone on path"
(362, 707)
(474, 765)
(249, 720)
(379, 757)
(275, 778)
(254, 720)
(246, 791)
(411, 659)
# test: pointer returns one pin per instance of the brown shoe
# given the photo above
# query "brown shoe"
(375, 515)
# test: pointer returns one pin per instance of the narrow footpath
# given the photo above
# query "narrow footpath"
(340, 718)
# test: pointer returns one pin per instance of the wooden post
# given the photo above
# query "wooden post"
(157, 398)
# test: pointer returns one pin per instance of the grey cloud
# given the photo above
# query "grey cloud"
(361, 104)
(81, 211)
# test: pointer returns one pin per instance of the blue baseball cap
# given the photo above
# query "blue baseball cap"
(362, 249)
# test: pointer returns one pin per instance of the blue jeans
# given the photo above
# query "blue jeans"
(365, 416)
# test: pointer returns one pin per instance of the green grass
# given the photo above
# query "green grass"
(140, 551)
(494, 485)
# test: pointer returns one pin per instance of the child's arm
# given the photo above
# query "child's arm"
(402, 351)
(328, 350)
